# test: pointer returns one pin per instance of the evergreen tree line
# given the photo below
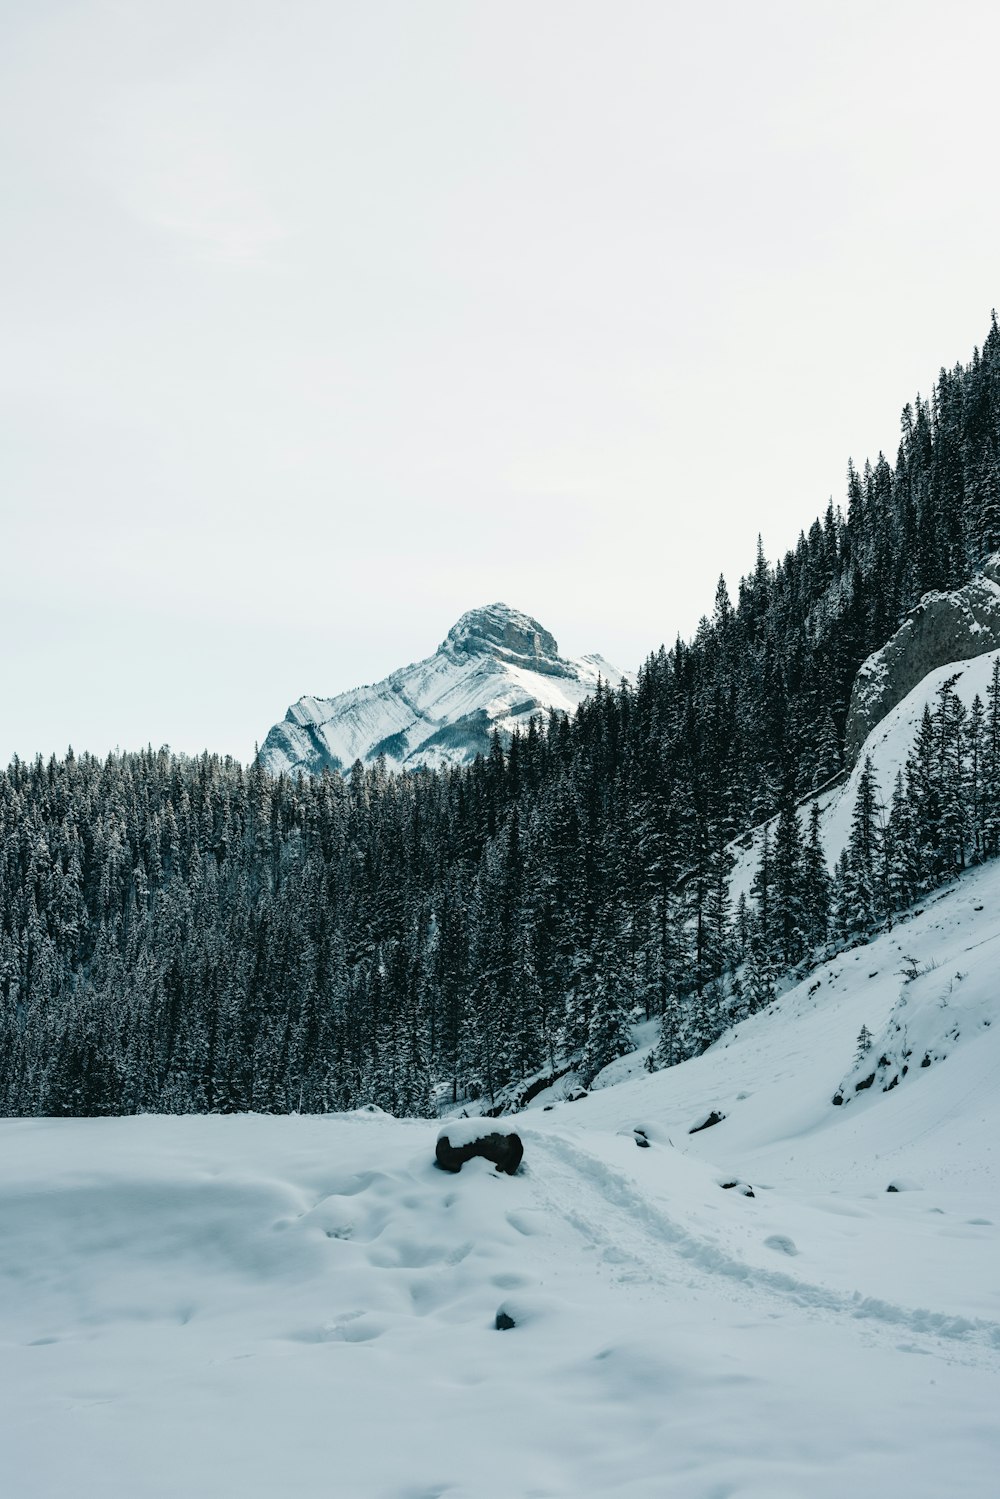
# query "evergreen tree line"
(943, 813)
(943, 816)
(189, 934)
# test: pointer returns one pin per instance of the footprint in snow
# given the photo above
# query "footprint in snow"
(781, 1244)
(523, 1224)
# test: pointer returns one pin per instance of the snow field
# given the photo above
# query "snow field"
(263, 1306)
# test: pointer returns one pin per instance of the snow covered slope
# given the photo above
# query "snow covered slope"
(888, 746)
(495, 668)
(301, 1306)
(943, 627)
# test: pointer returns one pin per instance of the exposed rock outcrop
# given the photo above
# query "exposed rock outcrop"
(507, 634)
(943, 627)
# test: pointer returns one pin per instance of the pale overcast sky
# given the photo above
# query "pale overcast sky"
(324, 322)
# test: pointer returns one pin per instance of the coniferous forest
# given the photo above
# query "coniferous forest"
(188, 934)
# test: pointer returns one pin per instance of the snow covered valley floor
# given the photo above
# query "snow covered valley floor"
(261, 1306)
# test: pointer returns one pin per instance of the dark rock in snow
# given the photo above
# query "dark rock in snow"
(744, 1188)
(715, 1117)
(640, 1138)
(504, 1322)
(503, 1148)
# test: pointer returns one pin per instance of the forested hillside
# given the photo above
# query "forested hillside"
(187, 934)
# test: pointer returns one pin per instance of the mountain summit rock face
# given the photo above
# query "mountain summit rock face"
(943, 627)
(494, 669)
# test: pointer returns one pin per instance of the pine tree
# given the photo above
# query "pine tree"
(759, 975)
(973, 787)
(816, 883)
(609, 1033)
(924, 794)
(670, 1047)
(902, 849)
(864, 898)
(788, 873)
(991, 766)
(762, 889)
(950, 727)
(829, 754)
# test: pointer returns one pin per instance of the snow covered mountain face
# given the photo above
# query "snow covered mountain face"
(495, 669)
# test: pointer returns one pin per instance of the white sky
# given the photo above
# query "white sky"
(324, 322)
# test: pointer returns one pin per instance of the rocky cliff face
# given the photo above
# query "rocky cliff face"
(494, 669)
(944, 627)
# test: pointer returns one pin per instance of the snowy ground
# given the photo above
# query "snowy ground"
(258, 1306)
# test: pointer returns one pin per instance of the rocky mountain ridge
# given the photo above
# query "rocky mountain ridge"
(494, 670)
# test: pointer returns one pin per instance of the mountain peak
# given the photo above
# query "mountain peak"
(494, 670)
(501, 631)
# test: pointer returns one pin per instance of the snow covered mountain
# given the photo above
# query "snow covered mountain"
(494, 669)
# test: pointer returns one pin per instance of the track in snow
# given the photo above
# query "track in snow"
(648, 1247)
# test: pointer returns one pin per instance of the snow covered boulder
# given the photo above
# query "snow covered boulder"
(644, 1135)
(462, 1139)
